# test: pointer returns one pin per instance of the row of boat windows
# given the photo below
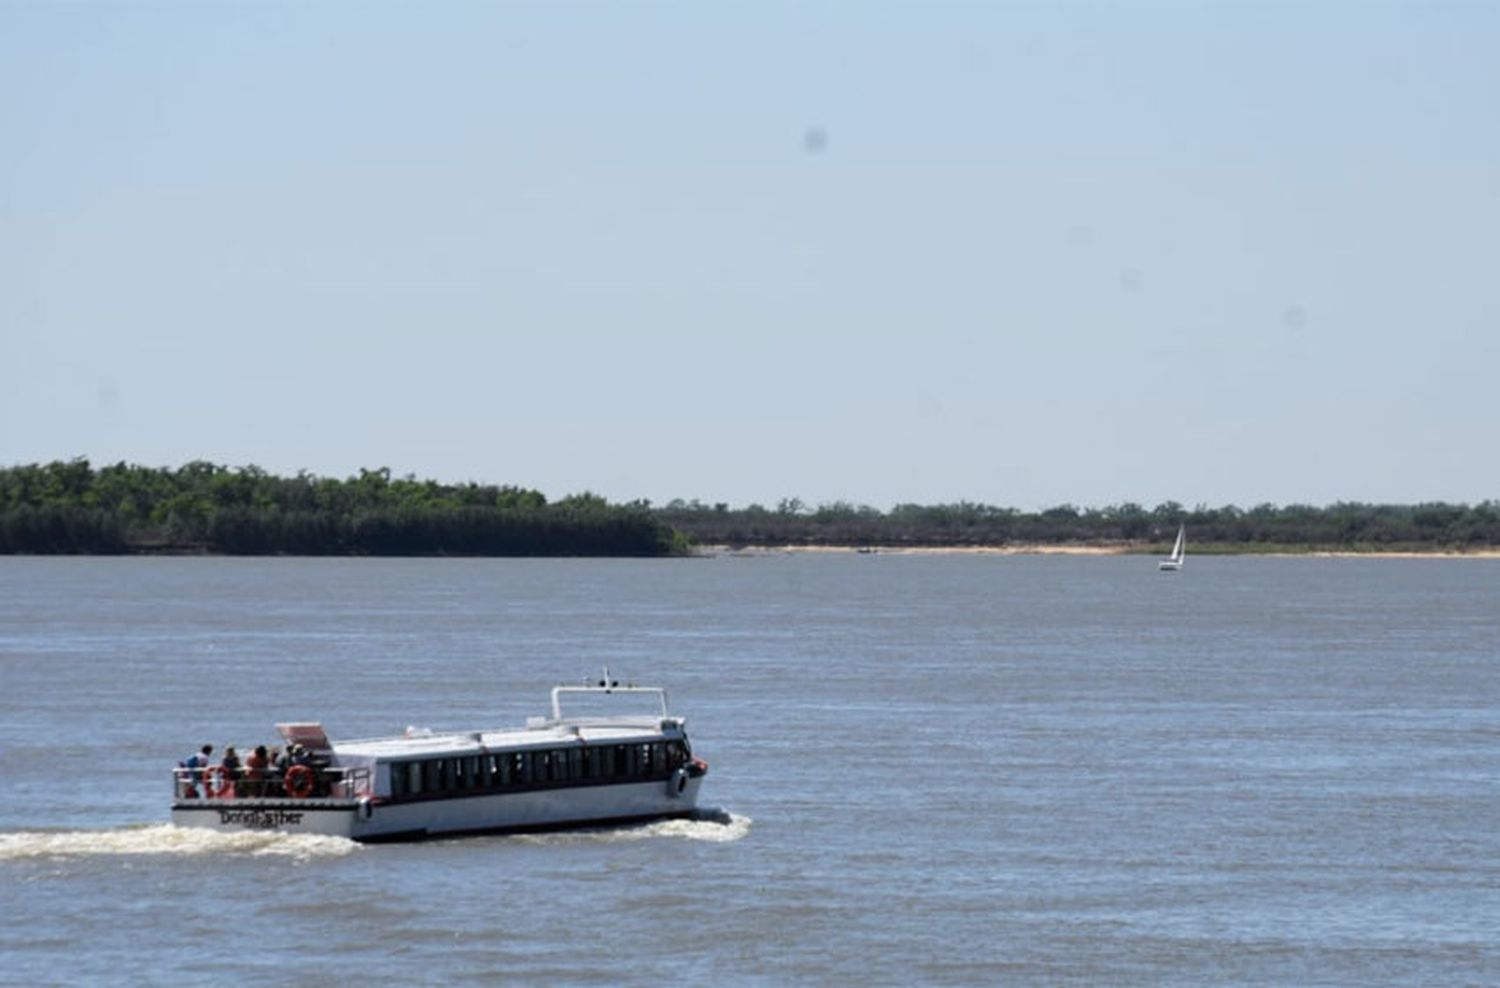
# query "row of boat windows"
(580, 763)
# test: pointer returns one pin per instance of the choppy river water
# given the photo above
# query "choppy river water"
(925, 769)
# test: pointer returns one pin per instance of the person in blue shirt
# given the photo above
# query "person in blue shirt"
(195, 764)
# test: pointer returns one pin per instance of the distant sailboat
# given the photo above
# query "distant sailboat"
(1173, 563)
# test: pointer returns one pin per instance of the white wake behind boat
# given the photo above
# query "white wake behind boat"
(555, 772)
(1173, 563)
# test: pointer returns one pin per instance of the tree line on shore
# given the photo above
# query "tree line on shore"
(1346, 525)
(70, 507)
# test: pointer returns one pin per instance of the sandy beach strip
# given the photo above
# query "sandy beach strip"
(920, 550)
(1076, 550)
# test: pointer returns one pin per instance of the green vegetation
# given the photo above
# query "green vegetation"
(1265, 528)
(69, 507)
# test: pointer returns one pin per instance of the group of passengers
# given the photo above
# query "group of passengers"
(265, 772)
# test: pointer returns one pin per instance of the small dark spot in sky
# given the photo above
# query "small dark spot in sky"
(1295, 317)
(815, 140)
(1131, 280)
(1080, 235)
(109, 395)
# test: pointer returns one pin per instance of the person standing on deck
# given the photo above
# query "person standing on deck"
(195, 764)
(231, 766)
(255, 772)
(277, 763)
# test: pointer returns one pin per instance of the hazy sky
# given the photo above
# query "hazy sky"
(1015, 253)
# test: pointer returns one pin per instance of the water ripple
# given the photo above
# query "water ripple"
(166, 839)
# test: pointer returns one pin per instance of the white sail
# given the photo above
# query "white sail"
(1174, 562)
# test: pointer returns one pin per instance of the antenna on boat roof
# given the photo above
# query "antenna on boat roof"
(608, 684)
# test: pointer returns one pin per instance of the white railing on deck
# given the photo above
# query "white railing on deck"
(606, 686)
(334, 782)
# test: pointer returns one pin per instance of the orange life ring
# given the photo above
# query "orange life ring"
(217, 783)
(299, 782)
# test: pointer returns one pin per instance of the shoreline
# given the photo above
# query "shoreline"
(1079, 550)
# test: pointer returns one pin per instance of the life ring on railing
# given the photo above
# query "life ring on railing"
(217, 783)
(299, 782)
(677, 784)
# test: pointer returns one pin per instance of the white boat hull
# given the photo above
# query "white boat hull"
(366, 820)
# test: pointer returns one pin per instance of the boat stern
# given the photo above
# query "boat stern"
(327, 818)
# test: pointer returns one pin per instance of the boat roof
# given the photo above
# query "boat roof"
(539, 731)
(602, 731)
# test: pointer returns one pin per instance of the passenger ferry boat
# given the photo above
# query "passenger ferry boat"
(555, 772)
